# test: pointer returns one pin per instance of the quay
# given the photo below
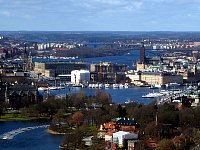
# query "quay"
(174, 96)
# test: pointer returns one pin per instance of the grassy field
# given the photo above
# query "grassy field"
(19, 117)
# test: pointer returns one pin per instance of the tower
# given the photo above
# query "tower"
(142, 54)
(25, 57)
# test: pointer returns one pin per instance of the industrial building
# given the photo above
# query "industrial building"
(53, 69)
(107, 72)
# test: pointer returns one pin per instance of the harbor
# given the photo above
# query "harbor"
(119, 95)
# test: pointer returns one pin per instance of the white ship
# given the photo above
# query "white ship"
(56, 87)
(42, 88)
(172, 84)
(152, 95)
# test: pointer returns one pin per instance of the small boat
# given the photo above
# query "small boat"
(115, 86)
(42, 88)
(77, 85)
(153, 87)
(172, 84)
(90, 85)
(107, 85)
(126, 85)
(176, 101)
(128, 101)
(121, 86)
(56, 87)
(101, 86)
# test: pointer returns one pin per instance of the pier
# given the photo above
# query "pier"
(172, 96)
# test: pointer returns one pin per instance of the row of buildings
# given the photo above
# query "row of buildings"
(183, 69)
(172, 67)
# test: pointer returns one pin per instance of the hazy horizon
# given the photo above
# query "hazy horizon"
(100, 15)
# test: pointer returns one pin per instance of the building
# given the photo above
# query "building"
(20, 95)
(142, 54)
(80, 76)
(161, 77)
(107, 72)
(121, 138)
(155, 77)
(127, 124)
(53, 69)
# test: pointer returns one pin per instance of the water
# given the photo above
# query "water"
(119, 96)
(128, 58)
(39, 139)
(36, 139)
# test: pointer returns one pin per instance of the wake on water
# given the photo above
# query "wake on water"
(10, 135)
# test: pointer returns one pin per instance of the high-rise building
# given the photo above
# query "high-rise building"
(142, 54)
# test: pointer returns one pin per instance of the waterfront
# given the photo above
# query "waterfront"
(119, 96)
(39, 138)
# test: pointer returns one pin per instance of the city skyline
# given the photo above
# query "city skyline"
(100, 15)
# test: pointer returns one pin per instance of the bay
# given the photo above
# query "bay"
(36, 139)
(39, 139)
(119, 96)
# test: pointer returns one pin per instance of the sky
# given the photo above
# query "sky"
(100, 15)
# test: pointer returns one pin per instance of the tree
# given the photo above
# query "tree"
(73, 140)
(1, 108)
(77, 118)
(58, 116)
(79, 100)
(166, 144)
(187, 117)
(103, 98)
(121, 111)
(151, 130)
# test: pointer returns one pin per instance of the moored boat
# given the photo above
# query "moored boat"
(42, 88)
(152, 95)
(107, 85)
(115, 86)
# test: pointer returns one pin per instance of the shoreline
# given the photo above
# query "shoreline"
(54, 132)
(5, 119)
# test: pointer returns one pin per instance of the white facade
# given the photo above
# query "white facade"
(121, 135)
(80, 76)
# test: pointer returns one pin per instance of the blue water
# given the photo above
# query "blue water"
(119, 96)
(39, 139)
(128, 58)
(36, 139)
